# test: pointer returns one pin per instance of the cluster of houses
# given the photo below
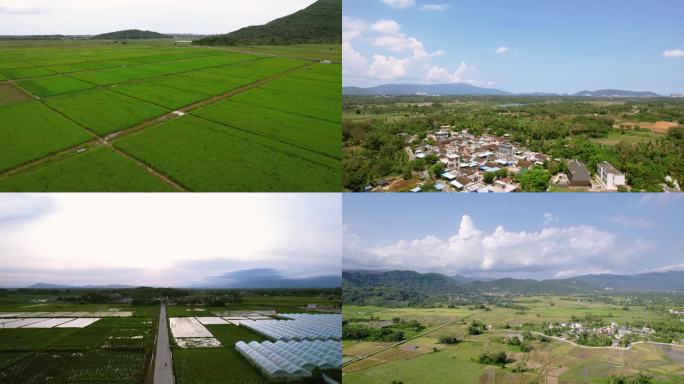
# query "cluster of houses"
(617, 332)
(467, 158)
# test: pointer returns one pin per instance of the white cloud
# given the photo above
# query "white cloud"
(674, 53)
(433, 7)
(354, 63)
(438, 74)
(352, 28)
(388, 67)
(666, 268)
(170, 16)
(579, 272)
(501, 50)
(400, 4)
(631, 222)
(386, 26)
(549, 218)
(471, 250)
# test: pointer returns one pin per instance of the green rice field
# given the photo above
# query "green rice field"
(152, 116)
(425, 359)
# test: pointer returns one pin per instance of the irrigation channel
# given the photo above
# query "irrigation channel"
(163, 364)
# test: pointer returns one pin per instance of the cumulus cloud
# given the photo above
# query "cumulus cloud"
(400, 4)
(549, 218)
(386, 26)
(397, 56)
(674, 53)
(501, 50)
(471, 250)
(433, 7)
(437, 74)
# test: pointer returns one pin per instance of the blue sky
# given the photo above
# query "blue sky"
(167, 240)
(518, 46)
(516, 235)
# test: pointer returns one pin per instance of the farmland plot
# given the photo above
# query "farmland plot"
(293, 144)
(53, 85)
(96, 170)
(30, 130)
(48, 323)
(104, 111)
(232, 160)
(188, 327)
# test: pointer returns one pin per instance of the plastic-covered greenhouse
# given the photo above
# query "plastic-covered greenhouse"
(301, 327)
(292, 360)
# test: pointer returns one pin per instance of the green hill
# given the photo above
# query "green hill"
(319, 23)
(131, 34)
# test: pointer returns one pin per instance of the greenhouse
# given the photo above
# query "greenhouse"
(300, 327)
(292, 360)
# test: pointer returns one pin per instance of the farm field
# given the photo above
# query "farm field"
(152, 116)
(424, 358)
(79, 350)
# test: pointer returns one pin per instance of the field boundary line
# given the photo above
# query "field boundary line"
(225, 48)
(62, 154)
(168, 180)
(191, 107)
(407, 340)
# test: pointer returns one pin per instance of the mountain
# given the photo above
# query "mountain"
(453, 89)
(131, 34)
(61, 286)
(463, 89)
(311, 282)
(318, 23)
(615, 93)
(435, 284)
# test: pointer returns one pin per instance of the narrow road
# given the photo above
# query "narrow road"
(163, 364)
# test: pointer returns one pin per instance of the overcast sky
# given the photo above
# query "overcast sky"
(514, 235)
(517, 46)
(90, 17)
(166, 239)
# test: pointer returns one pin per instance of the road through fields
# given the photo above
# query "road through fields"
(163, 364)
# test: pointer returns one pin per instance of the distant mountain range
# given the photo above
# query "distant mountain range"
(463, 89)
(434, 283)
(131, 34)
(318, 23)
(62, 286)
(311, 282)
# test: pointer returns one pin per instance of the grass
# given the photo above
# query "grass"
(311, 51)
(629, 137)
(104, 111)
(97, 170)
(30, 131)
(231, 160)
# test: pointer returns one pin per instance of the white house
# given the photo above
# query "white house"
(610, 177)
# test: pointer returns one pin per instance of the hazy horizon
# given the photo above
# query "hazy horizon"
(168, 240)
(522, 47)
(73, 17)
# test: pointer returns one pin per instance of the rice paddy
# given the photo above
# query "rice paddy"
(157, 117)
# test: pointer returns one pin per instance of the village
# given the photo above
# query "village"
(488, 163)
(619, 335)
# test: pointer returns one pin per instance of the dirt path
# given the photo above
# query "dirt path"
(163, 363)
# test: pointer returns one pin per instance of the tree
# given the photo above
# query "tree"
(437, 169)
(535, 180)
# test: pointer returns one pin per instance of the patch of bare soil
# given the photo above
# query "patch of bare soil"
(10, 94)
(553, 377)
(660, 126)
